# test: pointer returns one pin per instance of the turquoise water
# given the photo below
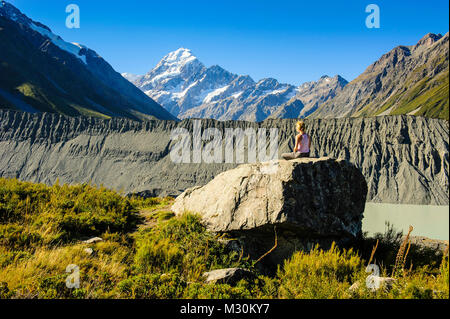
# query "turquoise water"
(428, 221)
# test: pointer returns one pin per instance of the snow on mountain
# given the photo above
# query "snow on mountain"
(171, 66)
(187, 89)
(15, 15)
(214, 93)
(131, 77)
(73, 48)
(309, 96)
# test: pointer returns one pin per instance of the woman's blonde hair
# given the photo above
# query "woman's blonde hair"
(301, 126)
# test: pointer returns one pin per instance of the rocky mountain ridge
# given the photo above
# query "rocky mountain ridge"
(189, 89)
(310, 96)
(407, 80)
(40, 72)
(404, 159)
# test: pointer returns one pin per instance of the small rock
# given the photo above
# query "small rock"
(88, 251)
(93, 240)
(230, 276)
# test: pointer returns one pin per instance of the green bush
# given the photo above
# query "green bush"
(61, 214)
(8, 257)
(260, 288)
(318, 274)
(155, 286)
(218, 291)
(54, 287)
(19, 200)
(443, 278)
(388, 245)
(18, 237)
(182, 244)
(5, 293)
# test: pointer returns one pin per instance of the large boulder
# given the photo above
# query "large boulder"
(299, 203)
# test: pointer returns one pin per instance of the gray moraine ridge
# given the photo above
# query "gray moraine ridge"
(404, 159)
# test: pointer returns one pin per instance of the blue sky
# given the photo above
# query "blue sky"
(292, 41)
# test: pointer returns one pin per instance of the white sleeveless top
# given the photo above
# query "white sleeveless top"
(304, 144)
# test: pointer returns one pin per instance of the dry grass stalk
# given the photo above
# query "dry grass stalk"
(374, 249)
(401, 257)
(241, 254)
(273, 248)
(406, 255)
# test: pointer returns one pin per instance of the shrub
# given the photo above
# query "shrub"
(18, 237)
(182, 244)
(217, 291)
(19, 200)
(318, 274)
(53, 287)
(388, 246)
(5, 293)
(8, 257)
(443, 278)
(61, 214)
(155, 286)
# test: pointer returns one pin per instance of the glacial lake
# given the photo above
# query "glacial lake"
(428, 221)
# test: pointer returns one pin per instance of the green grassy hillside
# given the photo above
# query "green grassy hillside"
(407, 80)
(147, 252)
(428, 97)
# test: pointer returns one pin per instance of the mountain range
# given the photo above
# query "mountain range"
(310, 96)
(406, 80)
(189, 89)
(40, 72)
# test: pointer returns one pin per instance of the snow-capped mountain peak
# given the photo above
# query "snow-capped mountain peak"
(179, 64)
(185, 87)
(180, 56)
(188, 89)
(176, 60)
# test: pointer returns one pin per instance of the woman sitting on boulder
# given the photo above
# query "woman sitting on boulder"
(302, 143)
